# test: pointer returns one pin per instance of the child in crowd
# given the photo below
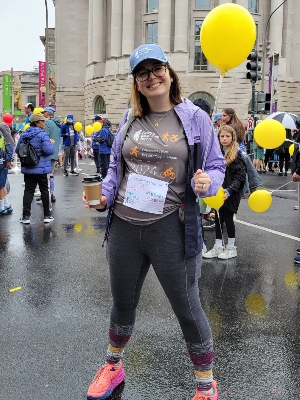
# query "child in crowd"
(235, 177)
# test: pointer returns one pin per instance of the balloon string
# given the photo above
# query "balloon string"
(212, 127)
(275, 190)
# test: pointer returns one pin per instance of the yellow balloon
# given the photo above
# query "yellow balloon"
(25, 127)
(260, 200)
(231, 24)
(215, 201)
(89, 130)
(65, 120)
(77, 126)
(269, 134)
(97, 126)
(292, 149)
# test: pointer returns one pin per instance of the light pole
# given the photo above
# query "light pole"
(43, 90)
(47, 56)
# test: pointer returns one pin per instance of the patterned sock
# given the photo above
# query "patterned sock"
(51, 184)
(118, 338)
(202, 358)
(6, 202)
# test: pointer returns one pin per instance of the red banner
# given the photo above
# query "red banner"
(42, 81)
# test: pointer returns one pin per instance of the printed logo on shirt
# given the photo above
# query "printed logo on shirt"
(146, 136)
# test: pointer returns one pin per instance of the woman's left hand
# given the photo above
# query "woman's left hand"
(202, 181)
(225, 195)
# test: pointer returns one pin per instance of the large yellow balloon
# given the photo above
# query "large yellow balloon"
(269, 134)
(215, 201)
(89, 130)
(292, 149)
(25, 127)
(227, 36)
(65, 120)
(97, 126)
(260, 200)
(77, 126)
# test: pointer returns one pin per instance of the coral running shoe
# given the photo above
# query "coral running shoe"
(106, 380)
(202, 396)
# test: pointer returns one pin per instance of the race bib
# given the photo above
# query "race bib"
(145, 194)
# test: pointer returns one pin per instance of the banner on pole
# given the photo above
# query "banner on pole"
(6, 94)
(17, 95)
(42, 80)
(52, 85)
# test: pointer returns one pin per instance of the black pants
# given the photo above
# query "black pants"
(104, 163)
(97, 160)
(227, 217)
(31, 180)
(269, 156)
(284, 158)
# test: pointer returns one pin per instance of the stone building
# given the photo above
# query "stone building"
(94, 39)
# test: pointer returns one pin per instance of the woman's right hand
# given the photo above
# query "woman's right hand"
(100, 206)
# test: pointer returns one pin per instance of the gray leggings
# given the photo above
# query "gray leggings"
(69, 152)
(131, 249)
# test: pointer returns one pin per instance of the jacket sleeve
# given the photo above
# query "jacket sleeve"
(47, 146)
(6, 133)
(9, 149)
(63, 130)
(239, 177)
(215, 162)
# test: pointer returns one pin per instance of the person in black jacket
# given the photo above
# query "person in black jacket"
(235, 178)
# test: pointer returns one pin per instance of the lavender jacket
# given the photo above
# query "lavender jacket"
(197, 126)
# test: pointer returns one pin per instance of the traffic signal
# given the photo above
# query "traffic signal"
(262, 102)
(253, 66)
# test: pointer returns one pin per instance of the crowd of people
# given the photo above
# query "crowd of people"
(153, 216)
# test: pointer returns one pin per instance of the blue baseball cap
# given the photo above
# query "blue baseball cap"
(70, 118)
(49, 110)
(217, 117)
(146, 52)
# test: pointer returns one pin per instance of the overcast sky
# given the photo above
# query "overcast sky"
(22, 24)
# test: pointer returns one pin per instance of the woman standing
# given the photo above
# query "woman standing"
(37, 175)
(229, 117)
(150, 191)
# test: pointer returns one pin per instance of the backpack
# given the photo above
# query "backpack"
(27, 154)
(2, 153)
(110, 139)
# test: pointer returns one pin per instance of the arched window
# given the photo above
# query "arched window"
(204, 96)
(100, 106)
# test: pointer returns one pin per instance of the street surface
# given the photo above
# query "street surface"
(54, 329)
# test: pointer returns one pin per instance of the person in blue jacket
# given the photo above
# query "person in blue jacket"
(104, 148)
(44, 148)
(70, 141)
(96, 144)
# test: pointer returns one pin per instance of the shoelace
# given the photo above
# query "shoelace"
(102, 373)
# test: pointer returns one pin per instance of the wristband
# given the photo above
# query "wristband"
(226, 191)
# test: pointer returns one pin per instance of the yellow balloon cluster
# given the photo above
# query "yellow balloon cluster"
(77, 126)
(227, 36)
(215, 201)
(269, 134)
(260, 200)
(89, 130)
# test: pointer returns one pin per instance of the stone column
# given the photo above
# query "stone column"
(128, 26)
(164, 25)
(90, 33)
(181, 26)
(276, 25)
(116, 28)
(243, 3)
(98, 31)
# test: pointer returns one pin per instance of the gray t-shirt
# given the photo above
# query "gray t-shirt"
(160, 152)
(72, 136)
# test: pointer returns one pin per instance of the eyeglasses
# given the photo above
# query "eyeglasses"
(143, 74)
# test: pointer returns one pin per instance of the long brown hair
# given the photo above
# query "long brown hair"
(139, 103)
(231, 151)
(236, 123)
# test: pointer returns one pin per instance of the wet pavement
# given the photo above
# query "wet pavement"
(54, 329)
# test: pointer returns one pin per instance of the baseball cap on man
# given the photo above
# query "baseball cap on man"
(146, 52)
(70, 118)
(29, 105)
(36, 118)
(97, 117)
(49, 110)
(217, 117)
